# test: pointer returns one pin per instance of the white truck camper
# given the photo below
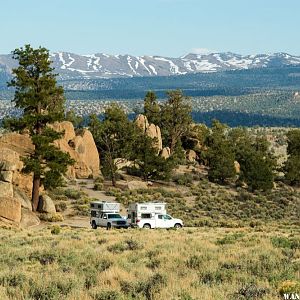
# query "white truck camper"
(106, 214)
(151, 215)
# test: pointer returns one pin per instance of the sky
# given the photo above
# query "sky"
(152, 27)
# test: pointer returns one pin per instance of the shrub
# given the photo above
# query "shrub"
(229, 238)
(56, 217)
(153, 264)
(129, 244)
(13, 280)
(117, 248)
(73, 194)
(103, 265)
(61, 206)
(283, 242)
(98, 186)
(107, 295)
(183, 179)
(251, 291)
(146, 288)
(288, 287)
(194, 262)
(45, 258)
(55, 230)
(133, 245)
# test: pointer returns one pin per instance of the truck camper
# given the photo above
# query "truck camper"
(151, 215)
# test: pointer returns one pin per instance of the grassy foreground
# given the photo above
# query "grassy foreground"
(198, 263)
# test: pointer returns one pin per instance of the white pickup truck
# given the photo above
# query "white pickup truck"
(151, 215)
(159, 221)
(106, 214)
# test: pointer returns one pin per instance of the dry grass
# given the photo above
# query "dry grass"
(186, 264)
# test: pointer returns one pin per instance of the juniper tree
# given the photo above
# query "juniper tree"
(42, 103)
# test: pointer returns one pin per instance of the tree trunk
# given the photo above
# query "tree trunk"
(173, 145)
(35, 192)
(113, 180)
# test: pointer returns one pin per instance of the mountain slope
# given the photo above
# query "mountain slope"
(74, 66)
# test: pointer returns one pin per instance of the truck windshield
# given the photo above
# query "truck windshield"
(114, 216)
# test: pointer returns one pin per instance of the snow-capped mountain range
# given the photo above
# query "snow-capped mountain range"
(74, 66)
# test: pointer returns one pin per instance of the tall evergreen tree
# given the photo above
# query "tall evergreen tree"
(114, 138)
(42, 103)
(152, 108)
(148, 163)
(175, 118)
(257, 164)
(220, 154)
(292, 165)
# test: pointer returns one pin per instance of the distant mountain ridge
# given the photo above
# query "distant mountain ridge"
(73, 66)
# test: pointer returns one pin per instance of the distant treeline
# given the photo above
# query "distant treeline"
(235, 119)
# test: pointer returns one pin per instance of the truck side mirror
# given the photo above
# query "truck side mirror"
(105, 217)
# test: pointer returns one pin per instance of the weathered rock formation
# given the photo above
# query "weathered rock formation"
(10, 209)
(82, 149)
(165, 152)
(150, 130)
(16, 187)
(136, 185)
(46, 205)
(191, 155)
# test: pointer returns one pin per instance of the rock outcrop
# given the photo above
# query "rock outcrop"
(136, 185)
(150, 130)
(165, 152)
(10, 209)
(46, 205)
(191, 155)
(82, 149)
(6, 189)
(16, 187)
(29, 219)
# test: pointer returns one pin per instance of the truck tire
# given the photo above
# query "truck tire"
(94, 225)
(147, 226)
(177, 226)
(108, 227)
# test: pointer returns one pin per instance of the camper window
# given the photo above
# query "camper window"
(157, 208)
(160, 217)
(93, 213)
(146, 216)
(143, 207)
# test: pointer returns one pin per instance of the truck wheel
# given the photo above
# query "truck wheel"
(177, 226)
(108, 227)
(94, 225)
(147, 226)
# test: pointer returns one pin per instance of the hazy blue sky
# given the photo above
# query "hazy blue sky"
(162, 27)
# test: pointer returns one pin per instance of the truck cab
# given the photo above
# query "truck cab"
(106, 214)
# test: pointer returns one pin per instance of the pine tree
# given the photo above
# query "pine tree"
(257, 164)
(220, 154)
(292, 165)
(42, 103)
(148, 164)
(175, 118)
(114, 138)
(152, 108)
